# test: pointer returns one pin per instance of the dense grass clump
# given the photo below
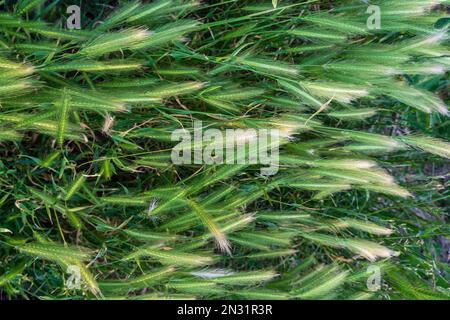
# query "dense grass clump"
(87, 182)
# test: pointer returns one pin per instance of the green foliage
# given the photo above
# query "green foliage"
(86, 175)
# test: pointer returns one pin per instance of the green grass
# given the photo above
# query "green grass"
(87, 181)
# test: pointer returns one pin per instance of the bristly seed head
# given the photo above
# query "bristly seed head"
(108, 124)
